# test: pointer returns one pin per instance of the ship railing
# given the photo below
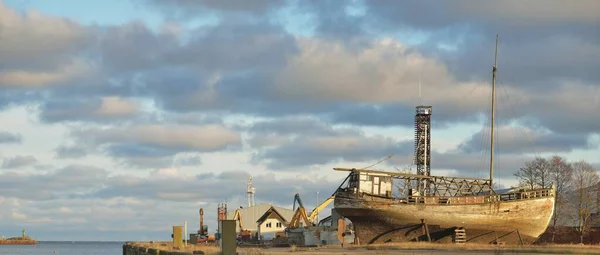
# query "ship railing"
(537, 193)
(478, 199)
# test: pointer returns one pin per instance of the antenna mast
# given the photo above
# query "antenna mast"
(420, 98)
(493, 114)
(250, 192)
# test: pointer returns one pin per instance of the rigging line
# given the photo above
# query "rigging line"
(510, 106)
(529, 139)
(484, 145)
(377, 163)
(486, 148)
(475, 87)
(497, 154)
(511, 103)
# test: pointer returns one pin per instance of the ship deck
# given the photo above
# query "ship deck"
(454, 200)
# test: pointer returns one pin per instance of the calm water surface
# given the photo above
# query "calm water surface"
(65, 248)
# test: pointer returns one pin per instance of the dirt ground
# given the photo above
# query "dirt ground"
(399, 248)
(424, 250)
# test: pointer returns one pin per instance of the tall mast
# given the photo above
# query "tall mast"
(493, 114)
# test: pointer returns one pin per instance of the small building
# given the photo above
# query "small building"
(251, 215)
(271, 222)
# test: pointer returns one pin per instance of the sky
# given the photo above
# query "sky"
(121, 118)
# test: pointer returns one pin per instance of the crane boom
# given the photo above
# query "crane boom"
(203, 230)
(297, 200)
(313, 215)
(237, 216)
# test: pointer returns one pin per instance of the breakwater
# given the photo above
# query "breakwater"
(18, 241)
(164, 248)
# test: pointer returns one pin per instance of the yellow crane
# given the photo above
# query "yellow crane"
(244, 233)
(313, 215)
(300, 215)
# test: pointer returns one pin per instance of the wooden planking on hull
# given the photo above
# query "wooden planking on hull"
(382, 220)
(371, 231)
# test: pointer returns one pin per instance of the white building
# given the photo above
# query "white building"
(272, 222)
(271, 225)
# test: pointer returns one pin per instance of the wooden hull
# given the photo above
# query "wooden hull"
(380, 220)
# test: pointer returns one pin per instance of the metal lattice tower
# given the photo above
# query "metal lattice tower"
(423, 143)
(222, 212)
(251, 191)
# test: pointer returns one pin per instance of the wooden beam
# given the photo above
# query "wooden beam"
(403, 174)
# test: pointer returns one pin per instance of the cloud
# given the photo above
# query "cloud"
(322, 150)
(29, 79)
(18, 161)
(288, 143)
(6, 137)
(560, 111)
(178, 137)
(61, 183)
(35, 41)
(106, 108)
(275, 73)
(467, 28)
(144, 49)
(508, 13)
(146, 145)
(381, 72)
(187, 9)
(305, 125)
(518, 140)
(74, 152)
(174, 185)
(188, 160)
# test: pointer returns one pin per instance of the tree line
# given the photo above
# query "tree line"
(576, 185)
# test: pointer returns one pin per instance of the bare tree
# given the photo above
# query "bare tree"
(526, 176)
(585, 181)
(560, 175)
(535, 173)
(543, 172)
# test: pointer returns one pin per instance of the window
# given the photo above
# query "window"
(268, 225)
(278, 224)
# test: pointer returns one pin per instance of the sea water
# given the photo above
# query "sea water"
(65, 248)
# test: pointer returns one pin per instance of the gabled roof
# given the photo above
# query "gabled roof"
(250, 215)
(268, 213)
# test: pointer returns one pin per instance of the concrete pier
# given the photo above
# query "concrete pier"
(164, 248)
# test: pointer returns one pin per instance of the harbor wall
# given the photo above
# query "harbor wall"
(18, 242)
(134, 249)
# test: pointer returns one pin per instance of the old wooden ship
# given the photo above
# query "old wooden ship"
(439, 208)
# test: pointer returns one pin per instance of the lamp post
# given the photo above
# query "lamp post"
(317, 215)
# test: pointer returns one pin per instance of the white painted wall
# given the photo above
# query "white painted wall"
(377, 184)
(264, 229)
